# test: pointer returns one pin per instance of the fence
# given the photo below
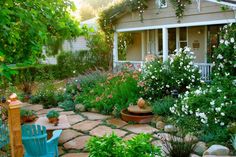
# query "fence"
(205, 69)
(10, 128)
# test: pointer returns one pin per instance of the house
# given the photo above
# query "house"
(160, 32)
(80, 43)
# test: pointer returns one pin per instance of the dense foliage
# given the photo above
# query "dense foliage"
(113, 146)
(115, 93)
(178, 73)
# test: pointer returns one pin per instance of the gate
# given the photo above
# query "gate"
(4, 131)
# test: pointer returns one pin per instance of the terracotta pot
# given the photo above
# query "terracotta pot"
(53, 120)
(27, 119)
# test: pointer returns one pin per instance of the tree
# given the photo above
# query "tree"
(26, 26)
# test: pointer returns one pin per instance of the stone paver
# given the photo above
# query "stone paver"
(128, 137)
(117, 122)
(68, 135)
(77, 143)
(104, 130)
(86, 125)
(140, 128)
(95, 116)
(34, 107)
(67, 113)
(73, 119)
(45, 111)
(76, 155)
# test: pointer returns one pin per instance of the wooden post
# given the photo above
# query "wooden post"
(15, 126)
(115, 49)
(165, 44)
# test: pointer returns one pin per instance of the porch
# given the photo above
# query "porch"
(162, 43)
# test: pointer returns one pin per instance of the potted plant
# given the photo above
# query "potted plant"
(27, 115)
(53, 116)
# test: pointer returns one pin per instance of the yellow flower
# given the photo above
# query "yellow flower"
(1, 58)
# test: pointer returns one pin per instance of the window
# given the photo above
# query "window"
(183, 41)
(161, 3)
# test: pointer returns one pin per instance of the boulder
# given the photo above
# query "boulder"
(80, 107)
(160, 125)
(217, 150)
(200, 148)
(170, 128)
(190, 137)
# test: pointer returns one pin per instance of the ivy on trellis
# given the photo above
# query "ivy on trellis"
(180, 6)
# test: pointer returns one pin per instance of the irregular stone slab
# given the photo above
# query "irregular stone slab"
(217, 150)
(24, 104)
(95, 116)
(200, 148)
(67, 113)
(77, 143)
(104, 130)
(86, 125)
(190, 137)
(80, 107)
(128, 137)
(60, 150)
(76, 155)
(34, 107)
(68, 135)
(45, 111)
(73, 119)
(140, 128)
(117, 122)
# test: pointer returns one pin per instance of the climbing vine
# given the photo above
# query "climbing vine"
(179, 6)
(108, 17)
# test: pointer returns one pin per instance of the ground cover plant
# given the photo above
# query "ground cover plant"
(115, 93)
(113, 146)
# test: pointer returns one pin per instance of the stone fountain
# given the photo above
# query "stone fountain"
(140, 113)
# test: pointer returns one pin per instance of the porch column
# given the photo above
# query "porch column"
(115, 49)
(143, 45)
(165, 43)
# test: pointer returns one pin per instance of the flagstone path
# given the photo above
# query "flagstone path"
(84, 125)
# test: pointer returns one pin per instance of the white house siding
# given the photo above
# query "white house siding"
(78, 44)
(154, 17)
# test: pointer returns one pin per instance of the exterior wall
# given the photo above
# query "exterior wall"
(78, 44)
(134, 52)
(154, 16)
(197, 42)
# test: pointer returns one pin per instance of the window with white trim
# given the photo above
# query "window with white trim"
(162, 3)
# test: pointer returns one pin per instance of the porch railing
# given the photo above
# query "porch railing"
(204, 68)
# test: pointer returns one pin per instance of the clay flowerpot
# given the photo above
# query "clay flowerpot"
(27, 119)
(53, 120)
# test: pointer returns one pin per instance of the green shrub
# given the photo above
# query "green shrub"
(208, 109)
(113, 146)
(158, 79)
(115, 93)
(67, 105)
(162, 107)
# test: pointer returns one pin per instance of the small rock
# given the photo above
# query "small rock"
(194, 155)
(157, 119)
(190, 138)
(80, 107)
(200, 148)
(217, 150)
(160, 125)
(170, 128)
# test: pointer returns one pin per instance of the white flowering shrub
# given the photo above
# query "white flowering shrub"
(225, 54)
(207, 109)
(159, 79)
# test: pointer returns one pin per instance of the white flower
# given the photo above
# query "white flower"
(222, 114)
(226, 42)
(222, 123)
(153, 77)
(218, 109)
(219, 56)
(232, 40)
(167, 86)
(222, 41)
(74, 71)
(219, 90)
(198, 92)
(212, 102)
